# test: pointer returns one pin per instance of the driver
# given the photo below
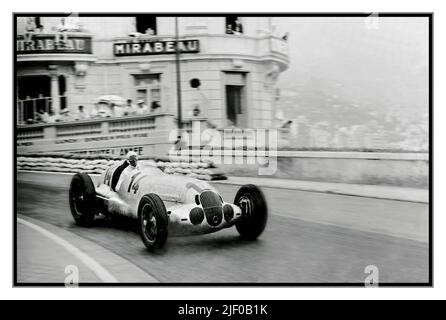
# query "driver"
(131, 166)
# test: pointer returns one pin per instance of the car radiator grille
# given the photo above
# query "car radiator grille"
(212, 207)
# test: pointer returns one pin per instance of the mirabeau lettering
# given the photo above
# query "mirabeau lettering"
(155, 47)
(49, 45)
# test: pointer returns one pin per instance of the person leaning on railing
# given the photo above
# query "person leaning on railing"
(115, 111)
(30, 29)
(142, 108)
(65, 115)
(95, 112)
(129, 109)
(81, 114)
(42, 116)
(238, 27)
(155, 106)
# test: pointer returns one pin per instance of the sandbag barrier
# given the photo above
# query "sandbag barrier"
(97, 164)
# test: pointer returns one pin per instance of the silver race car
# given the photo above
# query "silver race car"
(166, 204)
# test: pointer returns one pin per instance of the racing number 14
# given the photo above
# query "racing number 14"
(134, 183)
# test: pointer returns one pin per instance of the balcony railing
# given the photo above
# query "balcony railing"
(142, 130)
(27, 108)
(131, 125)
(78, 130)
(30, 133)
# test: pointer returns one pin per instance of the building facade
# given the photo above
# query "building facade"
(65, 62)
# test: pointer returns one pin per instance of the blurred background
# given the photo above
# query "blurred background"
(357, 83)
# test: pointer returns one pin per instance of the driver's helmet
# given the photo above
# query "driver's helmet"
(132, 158)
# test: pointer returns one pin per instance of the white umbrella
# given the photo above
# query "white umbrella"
(109, 98)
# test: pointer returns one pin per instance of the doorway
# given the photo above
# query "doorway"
(235, 110)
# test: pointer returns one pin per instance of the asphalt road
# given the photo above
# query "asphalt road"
(290, 250)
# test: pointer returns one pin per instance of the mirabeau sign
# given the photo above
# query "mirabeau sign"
(44, 43)
(155, 47)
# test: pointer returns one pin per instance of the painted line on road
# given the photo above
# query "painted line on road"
(92, 264)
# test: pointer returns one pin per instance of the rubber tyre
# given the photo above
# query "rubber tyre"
(254, 219)
(82, 196)
(152, 211)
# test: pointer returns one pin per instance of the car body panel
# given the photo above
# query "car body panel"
(179, 194)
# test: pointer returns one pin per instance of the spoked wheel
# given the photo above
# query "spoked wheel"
(252, 202)
(153, 221)
(82, 196)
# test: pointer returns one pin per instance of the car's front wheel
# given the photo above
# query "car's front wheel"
(252, 202)
(82, 199)
(153, 221)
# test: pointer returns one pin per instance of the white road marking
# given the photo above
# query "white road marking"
(92, 264)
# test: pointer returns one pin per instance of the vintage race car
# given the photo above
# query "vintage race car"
(166, 204)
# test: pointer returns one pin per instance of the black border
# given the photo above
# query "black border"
(428, 15)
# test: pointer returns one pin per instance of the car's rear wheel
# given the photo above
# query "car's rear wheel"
(82, 199)
(153, 221)
(252, 202)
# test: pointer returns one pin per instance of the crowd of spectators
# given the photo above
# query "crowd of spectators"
(100, 110)
(66, 24)
(237, 28)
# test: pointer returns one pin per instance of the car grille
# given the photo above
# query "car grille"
(212, 207)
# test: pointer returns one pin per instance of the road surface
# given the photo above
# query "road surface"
(291, 250)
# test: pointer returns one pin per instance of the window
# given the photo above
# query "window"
(62, 90)
(148, 89)
(34, 94)
(146, 24)
(37, 22)
(233, 25)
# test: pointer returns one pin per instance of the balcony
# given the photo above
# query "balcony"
(145, 131)
(69, 46)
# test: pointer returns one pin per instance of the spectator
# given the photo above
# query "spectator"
(30, 29)
(95, 112)
(287, 124)
(53, 117)
(196, 112)
(238, 27)
(229, 29)
(62, 29)
(142, 108)
(104, 110)
(42, 116)
(115, 111)
(81, 114)
(73, 24)
(179, 144)
(65, 115)
(154, 106)
(285, 36)
(129, 108)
